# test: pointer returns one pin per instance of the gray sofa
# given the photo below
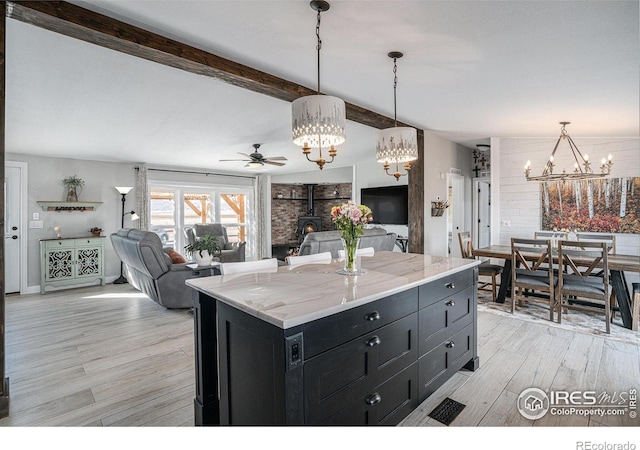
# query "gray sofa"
(329, 241)
(231, 251)
(150, 270)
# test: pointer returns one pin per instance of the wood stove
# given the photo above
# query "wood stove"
(308, 223)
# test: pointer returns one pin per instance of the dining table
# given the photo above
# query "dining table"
(618, 264)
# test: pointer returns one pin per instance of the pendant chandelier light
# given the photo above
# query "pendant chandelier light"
(581, 168)
(396, 145)
(319, 121)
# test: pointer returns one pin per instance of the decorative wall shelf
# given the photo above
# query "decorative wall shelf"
(69, 206)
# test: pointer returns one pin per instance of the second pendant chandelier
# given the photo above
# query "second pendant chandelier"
(396, 145)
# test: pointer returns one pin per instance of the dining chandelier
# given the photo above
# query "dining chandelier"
(396, 145)
(319, 121)
(581, 169)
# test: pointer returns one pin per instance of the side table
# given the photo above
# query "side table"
(205, 271)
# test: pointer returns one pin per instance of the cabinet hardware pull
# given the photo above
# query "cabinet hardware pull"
(451, 303)
(373, 316)
(450, 286)
(451, 344)
(374, 341)
(373, 399)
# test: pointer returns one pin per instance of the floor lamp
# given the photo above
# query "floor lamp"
(123, 192)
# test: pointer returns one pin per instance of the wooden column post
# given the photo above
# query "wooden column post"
(4, 382)
(416, 200)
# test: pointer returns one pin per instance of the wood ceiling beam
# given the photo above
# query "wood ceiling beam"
(80, 23)
(89, 26)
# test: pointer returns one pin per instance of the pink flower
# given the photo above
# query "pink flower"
(355, 215)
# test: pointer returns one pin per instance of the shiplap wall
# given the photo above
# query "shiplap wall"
(518, 200)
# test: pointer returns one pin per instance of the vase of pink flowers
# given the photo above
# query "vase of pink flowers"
(350, 219)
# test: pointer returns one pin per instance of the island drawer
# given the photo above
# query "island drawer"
(441, 320)
(444, 360)
(386, 404)
(329, 332)
(344, 374)
(436, 290)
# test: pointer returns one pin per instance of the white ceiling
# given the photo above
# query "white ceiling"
(471, 70)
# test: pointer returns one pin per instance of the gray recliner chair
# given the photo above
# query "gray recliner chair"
(231, 251)
(330, 241)
(150, 270)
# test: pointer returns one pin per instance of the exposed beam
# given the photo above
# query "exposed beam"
(80, 23)
(416, 200)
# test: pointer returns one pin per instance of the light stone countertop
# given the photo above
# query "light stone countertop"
(293, 296)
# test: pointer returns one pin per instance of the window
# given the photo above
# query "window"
(174, 207)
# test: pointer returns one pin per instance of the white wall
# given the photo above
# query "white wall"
(45, 175)
(440, 156)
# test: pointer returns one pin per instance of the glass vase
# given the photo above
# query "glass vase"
(351, 261)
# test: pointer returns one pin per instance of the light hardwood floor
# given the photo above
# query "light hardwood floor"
(109, 356)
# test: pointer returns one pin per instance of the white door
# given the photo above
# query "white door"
(13, 228)
(482, 213)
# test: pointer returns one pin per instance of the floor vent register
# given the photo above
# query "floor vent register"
(447, 411)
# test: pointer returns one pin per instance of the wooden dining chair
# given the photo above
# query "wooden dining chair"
(531, 261)
(485, 268)
(544, 234)
(609, 239)
(579, 287)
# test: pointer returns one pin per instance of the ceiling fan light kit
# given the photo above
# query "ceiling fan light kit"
(396, 145)
(319, 121)
(257, 160)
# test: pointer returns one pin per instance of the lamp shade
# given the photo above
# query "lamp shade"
(397, 145)
(319, 121)
(123, 190)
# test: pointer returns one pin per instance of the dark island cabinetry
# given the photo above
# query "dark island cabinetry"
(368, 365)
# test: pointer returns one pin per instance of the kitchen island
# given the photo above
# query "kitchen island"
(307, 346)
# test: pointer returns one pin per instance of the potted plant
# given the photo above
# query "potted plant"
(74, 185)
(438, 207)
(204, 249)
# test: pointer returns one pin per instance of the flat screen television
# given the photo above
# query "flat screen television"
(389, 204)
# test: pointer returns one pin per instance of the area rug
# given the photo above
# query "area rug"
(576, 321)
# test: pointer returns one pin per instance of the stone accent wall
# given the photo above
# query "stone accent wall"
(293, 204)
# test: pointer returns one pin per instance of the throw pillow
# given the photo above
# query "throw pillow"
(176, 258)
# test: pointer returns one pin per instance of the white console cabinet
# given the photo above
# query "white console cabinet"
(71, 261)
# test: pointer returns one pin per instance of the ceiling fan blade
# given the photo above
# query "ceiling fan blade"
(234, 160)
(276, 158)
(244, 154)
(273, 163)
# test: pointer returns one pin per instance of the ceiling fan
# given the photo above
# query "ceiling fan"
(257, 160)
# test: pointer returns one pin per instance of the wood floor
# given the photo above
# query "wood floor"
(109, 356)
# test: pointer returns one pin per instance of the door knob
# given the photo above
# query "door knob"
(14, 228)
